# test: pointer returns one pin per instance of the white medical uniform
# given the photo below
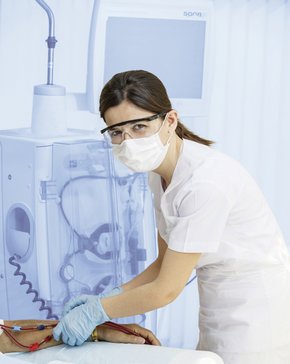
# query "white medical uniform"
(214, 207)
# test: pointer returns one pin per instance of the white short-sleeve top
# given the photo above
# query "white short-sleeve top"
(213, 206)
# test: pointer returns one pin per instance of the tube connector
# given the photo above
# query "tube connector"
(51, 42)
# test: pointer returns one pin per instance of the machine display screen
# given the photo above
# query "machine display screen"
(131, 43)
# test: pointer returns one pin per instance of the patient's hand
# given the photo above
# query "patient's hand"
(105, 333)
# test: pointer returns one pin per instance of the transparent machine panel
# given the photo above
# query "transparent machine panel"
(89, 228)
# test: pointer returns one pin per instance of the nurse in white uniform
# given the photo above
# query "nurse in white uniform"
(211, 216)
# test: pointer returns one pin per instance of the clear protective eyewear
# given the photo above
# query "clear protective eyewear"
(136, 128)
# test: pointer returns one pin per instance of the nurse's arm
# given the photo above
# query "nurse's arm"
(175, 271)
(151, 272)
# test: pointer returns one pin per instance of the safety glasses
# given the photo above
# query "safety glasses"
(136, 128)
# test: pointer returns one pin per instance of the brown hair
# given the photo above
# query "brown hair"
(146, 91)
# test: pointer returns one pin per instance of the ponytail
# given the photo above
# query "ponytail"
(185, 133)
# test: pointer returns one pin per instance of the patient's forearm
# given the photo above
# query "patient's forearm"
(102, 332)
(26, 337)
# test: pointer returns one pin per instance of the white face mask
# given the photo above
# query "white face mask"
(142, 154)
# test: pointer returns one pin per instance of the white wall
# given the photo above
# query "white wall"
(250, 108)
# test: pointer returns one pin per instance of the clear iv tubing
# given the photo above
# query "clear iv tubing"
(75, 179)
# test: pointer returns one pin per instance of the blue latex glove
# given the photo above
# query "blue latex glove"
(76, 301)
(75, 327)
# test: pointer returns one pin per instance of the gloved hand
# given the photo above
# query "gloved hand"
(76, 301)
(76, 326)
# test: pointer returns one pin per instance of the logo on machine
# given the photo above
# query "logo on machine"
(193, 14)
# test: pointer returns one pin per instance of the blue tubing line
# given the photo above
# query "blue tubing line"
(30, 289)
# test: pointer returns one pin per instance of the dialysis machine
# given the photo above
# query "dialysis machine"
(72, 222)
